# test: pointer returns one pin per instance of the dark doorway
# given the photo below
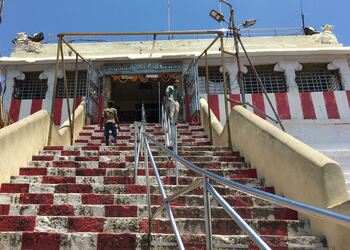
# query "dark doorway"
(129, 92)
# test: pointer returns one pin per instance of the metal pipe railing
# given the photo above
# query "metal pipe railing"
(235, 216)
(282, 201)
(256, 109)
(170, 135)
(162, 191)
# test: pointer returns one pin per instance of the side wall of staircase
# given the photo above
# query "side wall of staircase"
(295, 170)
(23, 139)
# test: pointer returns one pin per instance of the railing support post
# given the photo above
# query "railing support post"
(207, 214)
(149, 237)
(175, 150)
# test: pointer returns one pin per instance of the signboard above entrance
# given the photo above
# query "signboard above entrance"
(142, 68)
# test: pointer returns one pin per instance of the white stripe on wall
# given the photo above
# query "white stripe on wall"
(26, 105)
(248, 99)
(295, 106)
(222, 109)
(343, 105)
(64, 116)
(47, 105)
(319, 105)
(268, 109)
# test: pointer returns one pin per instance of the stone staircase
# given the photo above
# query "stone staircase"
(85, 197)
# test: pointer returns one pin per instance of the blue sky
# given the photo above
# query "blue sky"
(52, 17)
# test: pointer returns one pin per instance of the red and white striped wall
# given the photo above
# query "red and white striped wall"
(292, 106)
(20, 109)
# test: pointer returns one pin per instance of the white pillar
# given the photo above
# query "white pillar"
(344, 71)
(289, 68)
(232, 69)
(10, 84)
(48, 74)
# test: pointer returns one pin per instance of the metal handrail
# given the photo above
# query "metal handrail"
(138, 139)
(256, 109)
(282, 201)
(162, 191)
(170, 134)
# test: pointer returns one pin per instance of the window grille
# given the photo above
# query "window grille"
(317, 78)
(81, 86)
(274, 82)
(31, 87)
(215, 80)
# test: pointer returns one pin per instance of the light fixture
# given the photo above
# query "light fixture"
(217, 16)
(248, 23)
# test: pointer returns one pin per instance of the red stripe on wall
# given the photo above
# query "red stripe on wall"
(15, 108)
(307, 105)
(57, 111)
(78, 101)
(331, 105)
(214, 105)
(282, 104)
(100, 109)
(348, 95)
(36, 105)
(187, 103)
(234, 97)
(258, 102)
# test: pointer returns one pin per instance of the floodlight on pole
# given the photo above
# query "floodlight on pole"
(235, 31)
(248, 23)
(217, 16)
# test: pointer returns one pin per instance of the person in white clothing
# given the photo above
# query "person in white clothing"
(171, 93)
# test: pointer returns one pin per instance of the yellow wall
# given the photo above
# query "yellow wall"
(23, 139)
(294, 169)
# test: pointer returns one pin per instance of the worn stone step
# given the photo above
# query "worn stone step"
(141, 180)
(141, 211)
(99, 241)
(62, 224)
(235, 200)
(165, 170)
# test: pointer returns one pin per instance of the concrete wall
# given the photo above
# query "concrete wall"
(26, 137)
(295, 170)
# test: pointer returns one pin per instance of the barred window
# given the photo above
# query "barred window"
(274, 82)
(31, 87)
(317, 78)
(215, 80)
(81, 87)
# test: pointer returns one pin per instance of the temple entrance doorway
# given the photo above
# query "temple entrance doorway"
(129, 92)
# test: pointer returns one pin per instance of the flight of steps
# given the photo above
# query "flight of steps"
(84, 197)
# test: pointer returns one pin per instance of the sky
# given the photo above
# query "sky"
(53, 17)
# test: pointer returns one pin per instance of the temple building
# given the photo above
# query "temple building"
(306, 77)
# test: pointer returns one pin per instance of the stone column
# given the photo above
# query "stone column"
(10, 84)
(232, 69)
(344, 71)
(107, 89)
(289, 68)
(48, 74)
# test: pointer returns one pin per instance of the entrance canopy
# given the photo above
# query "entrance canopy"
(142, 68)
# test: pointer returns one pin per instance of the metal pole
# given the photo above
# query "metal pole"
(207, 214)
(75, 90)
(159, 101)
(175, 150)
(135, 142)
(66, 94)
(54, 91)
(236, 45)
(238, 219)
(225, 91)
(261, 84)
(148, 195)
(208, 96)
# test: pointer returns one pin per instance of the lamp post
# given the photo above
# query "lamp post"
(237, 41)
